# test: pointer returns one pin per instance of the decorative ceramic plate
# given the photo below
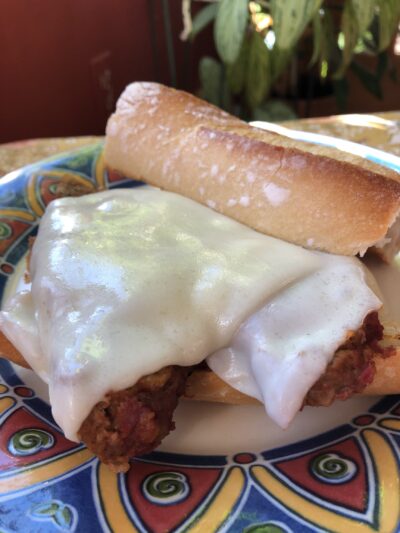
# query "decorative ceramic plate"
(225, 468)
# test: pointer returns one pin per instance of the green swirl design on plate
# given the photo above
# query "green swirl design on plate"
(62, 516)
(166, 488)
(30, 441)
(5, 231)
(332, 468)
(267, 527)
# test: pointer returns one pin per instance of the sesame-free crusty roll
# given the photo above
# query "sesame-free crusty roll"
(313, 196)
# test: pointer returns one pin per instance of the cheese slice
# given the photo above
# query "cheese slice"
(128, 281)
(283, 349)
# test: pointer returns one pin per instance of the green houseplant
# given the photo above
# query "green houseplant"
(287, 47)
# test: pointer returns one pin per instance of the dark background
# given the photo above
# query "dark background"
(63, 63)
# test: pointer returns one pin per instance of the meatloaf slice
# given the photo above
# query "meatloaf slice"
(353, 366)
(135, 420)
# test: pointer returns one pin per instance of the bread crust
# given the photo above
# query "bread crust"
(287, 189)
(205, 386)
(8, 351)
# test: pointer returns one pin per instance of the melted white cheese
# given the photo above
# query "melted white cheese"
(126, 282)
(287, 345)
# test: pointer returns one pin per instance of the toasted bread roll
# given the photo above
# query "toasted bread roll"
(8, 351)
(312, 196)
(204, 385)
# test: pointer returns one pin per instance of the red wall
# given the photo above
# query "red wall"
(51, 83)
(63, 63)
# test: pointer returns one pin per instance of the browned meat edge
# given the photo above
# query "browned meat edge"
(353, 366)
(133, 421)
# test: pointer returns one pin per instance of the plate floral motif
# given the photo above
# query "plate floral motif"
(345, 480)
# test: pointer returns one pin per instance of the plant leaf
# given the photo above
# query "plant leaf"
(341, 90)
(365, 10)
(210, 74)
(290, 18)
(203, 18)
(236, 73)
(382, 64)
(389, 13)
(229, 28)
(329, 49)
(274, 111)
(279, 60)
(369, 80)
(349, 26)
(317, 38)
(258, 76)
(325, 48)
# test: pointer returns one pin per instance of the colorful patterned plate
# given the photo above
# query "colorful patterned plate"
(217, 478)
